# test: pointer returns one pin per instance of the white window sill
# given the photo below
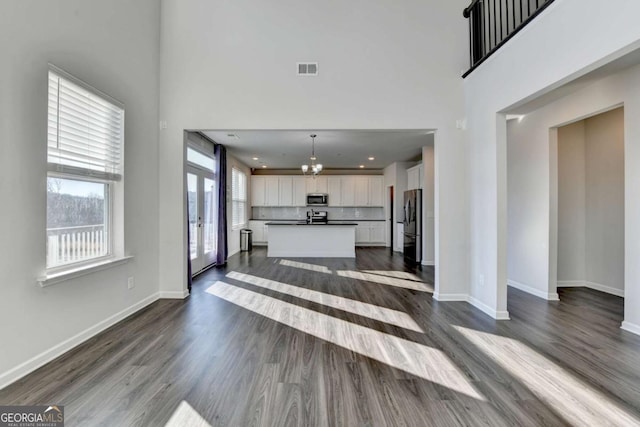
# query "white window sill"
(72, 273)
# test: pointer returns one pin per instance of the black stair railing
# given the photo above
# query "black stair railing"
(493, 22)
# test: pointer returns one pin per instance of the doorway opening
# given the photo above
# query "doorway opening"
(591, 203)
(201, 205)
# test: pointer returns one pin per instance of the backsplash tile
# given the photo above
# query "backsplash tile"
(334, 213)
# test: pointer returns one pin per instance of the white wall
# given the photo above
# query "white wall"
(113, 46)
(233, 234)
(604, 140)
(533, 181)
(590, 202)
(525, 68)
(428, 205)
(572, 215)
(241, 57)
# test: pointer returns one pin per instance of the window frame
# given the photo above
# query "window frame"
(114, 197)
(109, 193)
(242, 224)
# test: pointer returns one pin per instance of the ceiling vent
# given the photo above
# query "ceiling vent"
(307, 68)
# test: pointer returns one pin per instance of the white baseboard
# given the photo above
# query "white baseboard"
(570, 284)
(604, 288)
(450, 297)
(173, 294)
(47, 356)
(498, 315)
(533, 291)
(429, 263)
(590, 285)
(631, 327)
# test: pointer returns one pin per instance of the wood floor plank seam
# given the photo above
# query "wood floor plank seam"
(228, 365)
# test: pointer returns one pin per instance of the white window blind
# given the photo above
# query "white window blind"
(238, 197)
(85, 129)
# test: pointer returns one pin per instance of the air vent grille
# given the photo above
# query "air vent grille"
(307, 68)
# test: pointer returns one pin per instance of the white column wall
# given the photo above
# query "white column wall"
(533, 182)
(231, 65)
(523, 69)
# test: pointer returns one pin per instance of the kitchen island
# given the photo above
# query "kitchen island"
(300, 239)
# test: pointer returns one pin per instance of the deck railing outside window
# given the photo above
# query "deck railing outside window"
(493, 22)
(73, 244)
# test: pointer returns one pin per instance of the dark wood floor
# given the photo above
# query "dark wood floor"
(320, 342)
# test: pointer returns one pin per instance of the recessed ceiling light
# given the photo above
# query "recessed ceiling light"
(254, 158)
(372, 158)
(361, 166)
(264, 166)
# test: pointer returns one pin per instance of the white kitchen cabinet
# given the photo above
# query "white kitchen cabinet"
(377, 234)
(257, 190)
(258, 228)
(285, 191)
(343, 190)
(319, 184)
(399, 237)
(370, 233)
(363, 233)
(414, 177)
(272, 191)
(376, 191)
(299, 191)
(361, 189)
(347, 191)
(264, 190)
(334, 186)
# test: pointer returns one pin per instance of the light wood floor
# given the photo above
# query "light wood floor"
(320, 342)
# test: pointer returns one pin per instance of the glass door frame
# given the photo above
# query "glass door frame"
(205, 218)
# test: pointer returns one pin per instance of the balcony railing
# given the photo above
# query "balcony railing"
(73, 244)
(493, 22)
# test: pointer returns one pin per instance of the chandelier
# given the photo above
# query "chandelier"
(314, 168)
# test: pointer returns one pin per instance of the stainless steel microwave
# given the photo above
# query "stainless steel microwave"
(317, 199)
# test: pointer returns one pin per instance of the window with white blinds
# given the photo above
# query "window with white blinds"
(85, 129)
(238, 197)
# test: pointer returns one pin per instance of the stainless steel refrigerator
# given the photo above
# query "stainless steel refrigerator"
(413, 225)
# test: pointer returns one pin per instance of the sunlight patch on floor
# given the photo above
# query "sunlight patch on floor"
(305, 266)
(382, 314)
(574, 400)
(383, 280)
(185, 416)
(417, 359)
(395, 274)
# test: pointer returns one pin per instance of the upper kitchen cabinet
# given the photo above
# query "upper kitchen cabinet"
(278, 190)
(318, 184)
(347, 191)
(334, 189)
(376, 191)
(265, 191)
(343, 190)
(299, 191)
(257, 191)
(414, 177)
(361, 196)
(369, 191)
(285, 193)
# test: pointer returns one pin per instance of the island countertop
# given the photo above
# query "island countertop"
(312, 223)
(297, 239)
